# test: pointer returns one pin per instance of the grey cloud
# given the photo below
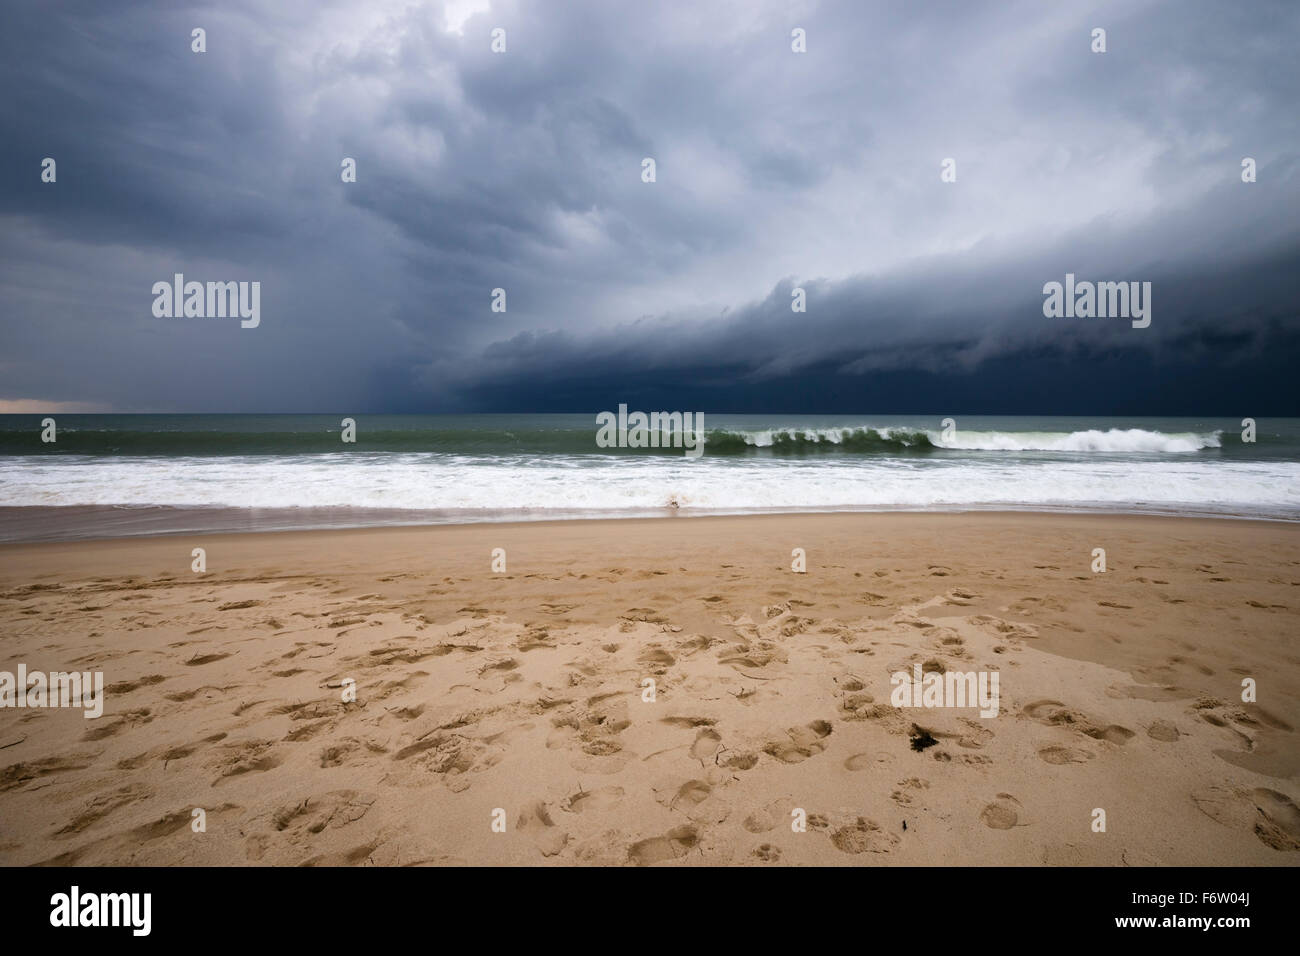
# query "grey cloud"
(522, 171)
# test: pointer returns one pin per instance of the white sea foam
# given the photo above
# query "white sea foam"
(621, 485)
(1117, 440)
(1114, 440)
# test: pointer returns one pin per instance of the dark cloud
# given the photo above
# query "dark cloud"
(775, 170)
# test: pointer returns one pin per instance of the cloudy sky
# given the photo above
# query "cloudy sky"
(522, 170)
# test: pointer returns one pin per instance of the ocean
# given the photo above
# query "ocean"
(109, 475)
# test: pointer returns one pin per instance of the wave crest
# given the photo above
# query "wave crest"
(909, 440)
(862, 440)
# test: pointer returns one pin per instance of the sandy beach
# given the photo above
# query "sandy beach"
(522, 691)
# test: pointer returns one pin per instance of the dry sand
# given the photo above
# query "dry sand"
(523, 691)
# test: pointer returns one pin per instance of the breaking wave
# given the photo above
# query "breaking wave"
(909, 440)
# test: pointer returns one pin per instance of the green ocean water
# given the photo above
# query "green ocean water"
(157, 472)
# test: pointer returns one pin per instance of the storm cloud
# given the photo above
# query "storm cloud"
(776, 170)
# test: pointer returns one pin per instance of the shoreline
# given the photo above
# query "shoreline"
(32, 524)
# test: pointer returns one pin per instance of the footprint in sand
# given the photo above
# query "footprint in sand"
(451, 756)
(1003, 813)
(706, 744)
(1267, 719)
(1064, 755)
(334, 809)
(336, 755)
(645, 614)
(1163, 731)
(803, 742)
(767, 853)
(905, 795)
(695, 798)
(124, 687)
(112, 728)
(249, 756)
(1272, 816)
(863, 836)
(657, 655)
(185, 750)
(1224, 805)
(673, 845)
(535, 819)
(104, 805)
(688, 722)
(975, 736)
(864, 707)
(741, 761)
(1003, 628)
(767, 817)
(688, 794)
(697, 642)
(124, 843)
(1113, 733)
(205, 659)
(502, 666)
(1280, 823)
(585, 801)
(1053, 713)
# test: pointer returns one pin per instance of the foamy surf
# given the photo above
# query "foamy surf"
(418, 469)
(887, 438)
(1114, 440)
(619, 485)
